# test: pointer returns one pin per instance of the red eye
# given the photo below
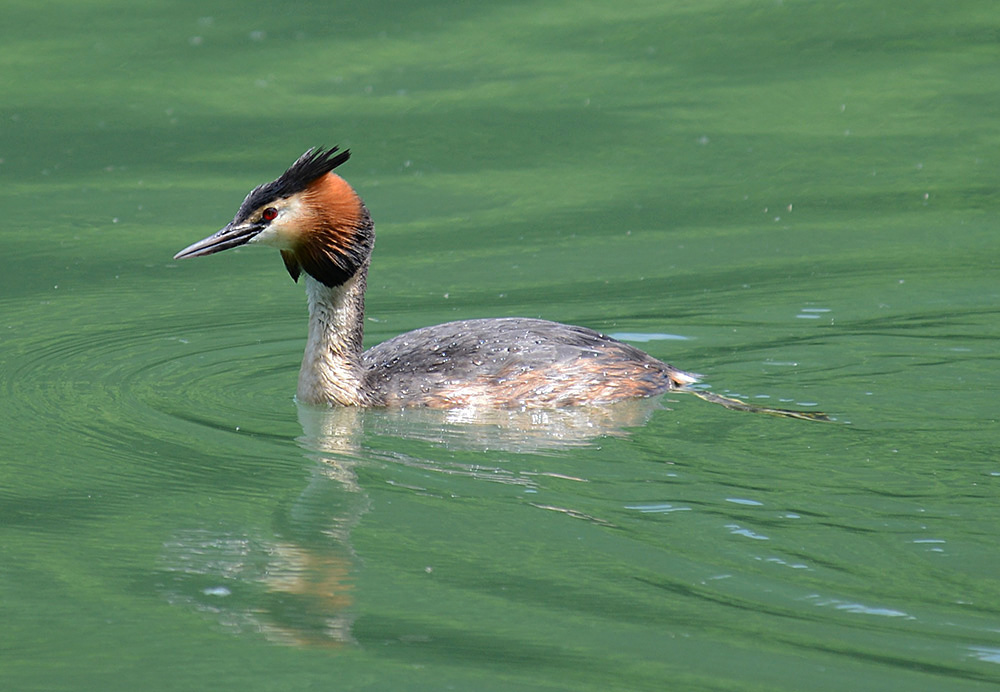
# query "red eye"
(269, 214)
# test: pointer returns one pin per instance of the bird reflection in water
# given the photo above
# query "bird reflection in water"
(297, 585)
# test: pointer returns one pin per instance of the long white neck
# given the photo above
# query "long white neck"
(331, 367)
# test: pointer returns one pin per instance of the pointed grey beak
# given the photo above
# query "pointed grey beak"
(233, 235)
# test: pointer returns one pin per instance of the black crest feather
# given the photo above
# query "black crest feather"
(313, 164)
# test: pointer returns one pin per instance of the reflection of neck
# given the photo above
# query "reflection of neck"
(331, 367)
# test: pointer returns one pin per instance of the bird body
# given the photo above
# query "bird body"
(518, 361)
(324, 231)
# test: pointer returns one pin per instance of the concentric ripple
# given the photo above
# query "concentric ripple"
(144, 388)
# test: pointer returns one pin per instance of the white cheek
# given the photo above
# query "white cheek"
(272, 236)
(283, 231)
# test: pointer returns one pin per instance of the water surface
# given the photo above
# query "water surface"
(796, 199)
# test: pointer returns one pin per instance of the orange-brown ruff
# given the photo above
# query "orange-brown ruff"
(324, 230)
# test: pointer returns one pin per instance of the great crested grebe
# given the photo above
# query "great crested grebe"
(323, 229)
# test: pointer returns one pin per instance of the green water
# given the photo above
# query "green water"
(796, 199)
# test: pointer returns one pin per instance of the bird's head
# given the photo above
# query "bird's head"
(310, 214)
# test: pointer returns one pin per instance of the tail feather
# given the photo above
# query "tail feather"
(682, 379)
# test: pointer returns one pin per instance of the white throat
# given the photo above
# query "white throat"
(331, 366)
